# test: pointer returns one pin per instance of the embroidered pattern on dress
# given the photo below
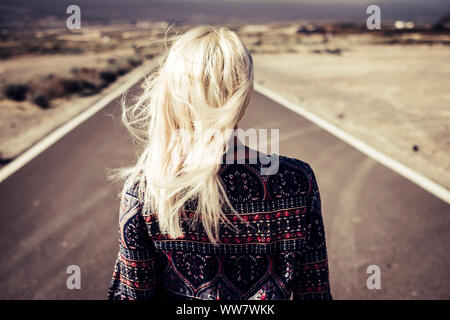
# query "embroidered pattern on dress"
(278, 250)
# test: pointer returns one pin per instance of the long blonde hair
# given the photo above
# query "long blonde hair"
(203, 85)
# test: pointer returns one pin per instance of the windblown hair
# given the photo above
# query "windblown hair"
(184, 120)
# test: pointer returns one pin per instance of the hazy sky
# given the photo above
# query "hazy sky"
(13, 12)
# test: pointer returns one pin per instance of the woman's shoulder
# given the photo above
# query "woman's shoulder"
(279, 177)
(270, 162)
(132, 191)
(294, 173)
(294, 162)
(293, 166)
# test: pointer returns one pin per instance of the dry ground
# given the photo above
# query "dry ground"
(394, 97)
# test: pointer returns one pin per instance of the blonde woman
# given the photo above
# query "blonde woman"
(196, 223)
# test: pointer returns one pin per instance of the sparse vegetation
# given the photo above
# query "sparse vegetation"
(108, 76)
(83, 81)
(15, 91)
(41, 101)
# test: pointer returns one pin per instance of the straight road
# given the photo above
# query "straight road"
(60, 210)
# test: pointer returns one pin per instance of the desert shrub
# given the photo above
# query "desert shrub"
(334, 51)
(72, 85)
(89, 88)
(53, 88)
(49, 87)
(86, 81)
(122, 69)
(108, 76)
(17, 92)
(41, 100)
(81, 86)
(134, 62)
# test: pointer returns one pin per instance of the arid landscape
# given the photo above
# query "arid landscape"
(394, 97)
(389, 89)
(47, 77)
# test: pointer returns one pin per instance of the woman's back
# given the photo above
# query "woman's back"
(277, 250)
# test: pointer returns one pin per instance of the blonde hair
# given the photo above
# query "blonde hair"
(204, 83)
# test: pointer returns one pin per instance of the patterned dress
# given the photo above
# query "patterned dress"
(278, 251)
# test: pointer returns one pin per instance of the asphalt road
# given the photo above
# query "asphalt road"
(60, 210)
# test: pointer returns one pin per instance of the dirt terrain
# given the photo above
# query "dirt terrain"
(393, 97)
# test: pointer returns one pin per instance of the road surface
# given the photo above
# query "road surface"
(60, 210)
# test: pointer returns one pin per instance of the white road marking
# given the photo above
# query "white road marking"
(60, 132)
(424, 182)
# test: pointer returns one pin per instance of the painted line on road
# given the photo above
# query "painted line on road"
(424, 182)
(61, 131)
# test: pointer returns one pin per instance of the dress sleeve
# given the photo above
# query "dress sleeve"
(134, 276)
(312, 275)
